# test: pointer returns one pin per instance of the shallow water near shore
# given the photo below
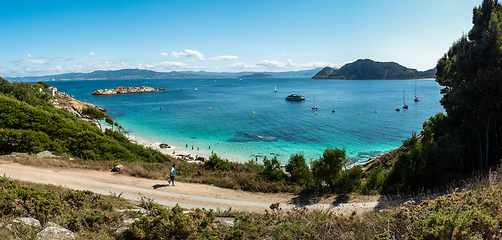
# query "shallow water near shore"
(247, 119)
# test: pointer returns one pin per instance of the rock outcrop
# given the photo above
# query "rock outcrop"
(68, 102)
(126, 90)
(117, 168)
(50, 233)
(46, 154)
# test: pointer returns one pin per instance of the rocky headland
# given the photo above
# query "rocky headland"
(126, 90)
(367, 69)
(68, 102)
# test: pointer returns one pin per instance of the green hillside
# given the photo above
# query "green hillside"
(29, 123)
(366, 69)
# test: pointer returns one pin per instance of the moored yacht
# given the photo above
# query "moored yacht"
(295, 97)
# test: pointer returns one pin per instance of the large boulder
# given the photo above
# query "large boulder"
(27, 221)
(117, 168)
(54, 233)
(45, 154)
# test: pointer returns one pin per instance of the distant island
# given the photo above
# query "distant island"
(366, 69)
(149, 74)
(257, 75)
(126, 90)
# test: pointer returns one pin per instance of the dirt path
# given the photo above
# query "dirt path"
(187, 195)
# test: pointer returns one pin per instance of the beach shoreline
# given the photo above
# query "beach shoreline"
(173, 151)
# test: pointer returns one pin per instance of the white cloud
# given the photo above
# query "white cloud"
(189, 53)
(42, 60)
(180, 54)
(274, 64)
(193, 53)
(92, 54)
(165, 64)
(29, 55)
(242, 66)
(164, 54)
(224, 58)
(312, 64)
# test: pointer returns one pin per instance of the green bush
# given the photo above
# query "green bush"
(31, 124)
(299, 170)
(163, 223)
(349, 180)
(272, 169)
(292, 231)
(327, 168)
(93, 220)
(375, 180)
(215, 162)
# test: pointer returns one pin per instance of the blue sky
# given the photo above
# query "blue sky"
(55, 37)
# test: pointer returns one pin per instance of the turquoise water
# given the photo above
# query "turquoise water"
(277, 127)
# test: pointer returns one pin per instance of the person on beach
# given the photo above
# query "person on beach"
(171, 174)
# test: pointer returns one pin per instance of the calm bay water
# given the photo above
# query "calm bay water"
(180, 115)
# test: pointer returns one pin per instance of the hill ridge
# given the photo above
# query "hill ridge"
(367, 69)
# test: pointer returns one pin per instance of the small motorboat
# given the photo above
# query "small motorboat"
(397, 109)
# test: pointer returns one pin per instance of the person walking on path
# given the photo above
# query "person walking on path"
(171, 174)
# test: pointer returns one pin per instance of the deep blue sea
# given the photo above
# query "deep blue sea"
(180, 115)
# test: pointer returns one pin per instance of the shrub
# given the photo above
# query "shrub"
(349, 180)
(300, 172)
(163, 223)
(272, 169)
(215, 162)
(375, 179)
(327, 168)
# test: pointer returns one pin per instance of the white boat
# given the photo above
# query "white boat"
(314, 106)
(416, 98)
(404, 104)
(275, 88)
(195, 89)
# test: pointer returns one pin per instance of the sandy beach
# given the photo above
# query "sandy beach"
(173, 151)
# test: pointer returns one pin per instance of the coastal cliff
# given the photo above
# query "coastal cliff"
(126, 90)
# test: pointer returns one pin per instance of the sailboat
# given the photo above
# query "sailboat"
(404, 104)
(314, 106)
(416, 99)
(275, 88)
